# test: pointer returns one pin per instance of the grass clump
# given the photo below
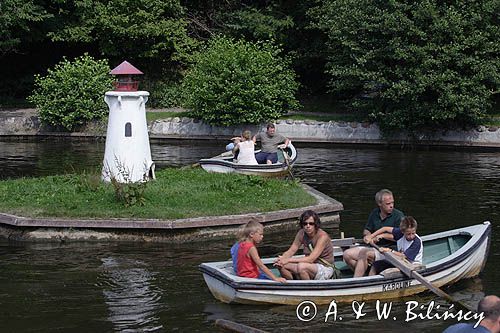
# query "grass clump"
(176, 193)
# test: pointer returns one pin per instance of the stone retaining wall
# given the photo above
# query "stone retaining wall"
(26, 123)
(334, 132)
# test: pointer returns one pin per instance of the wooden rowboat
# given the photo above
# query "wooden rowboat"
(224, 163)
(449, 256)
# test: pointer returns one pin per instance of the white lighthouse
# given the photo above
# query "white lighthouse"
(127, 157)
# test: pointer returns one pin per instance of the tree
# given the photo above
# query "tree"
(16, 18)
(234, 82)
(284, 22)
(150, 31)
(414, 64)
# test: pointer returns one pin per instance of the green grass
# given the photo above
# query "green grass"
(176, 193)
(493, 119)
(325, 117)
(152, 116)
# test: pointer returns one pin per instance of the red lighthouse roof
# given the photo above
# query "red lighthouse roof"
(125, 68)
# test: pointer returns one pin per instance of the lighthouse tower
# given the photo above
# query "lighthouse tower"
(127, 157)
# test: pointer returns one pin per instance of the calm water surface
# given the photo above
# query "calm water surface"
(130, 287)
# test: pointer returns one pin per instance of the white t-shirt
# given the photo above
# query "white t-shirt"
(246, 153)
(413, 249)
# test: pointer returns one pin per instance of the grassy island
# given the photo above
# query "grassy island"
(176, 193)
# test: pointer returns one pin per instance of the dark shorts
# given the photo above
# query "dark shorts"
(381, 265)
(262, 157)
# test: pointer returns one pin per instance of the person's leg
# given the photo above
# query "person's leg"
(379, 266)
(272, 158)
(307, 271)
(261, 157)
(288, 270)
(351, 256)
(361, 263)
(366, 256)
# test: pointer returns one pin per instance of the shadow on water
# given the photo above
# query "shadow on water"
(126, 287)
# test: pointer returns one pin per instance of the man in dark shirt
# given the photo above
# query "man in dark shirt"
(385, 215)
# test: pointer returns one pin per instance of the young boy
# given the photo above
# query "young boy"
(246, 259)
(409, 244)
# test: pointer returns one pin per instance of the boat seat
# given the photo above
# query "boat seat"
(342, 265)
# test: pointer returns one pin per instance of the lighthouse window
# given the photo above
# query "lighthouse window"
(128, 130)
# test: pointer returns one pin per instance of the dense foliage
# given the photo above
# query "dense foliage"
(406, 64)
(16, 17)
(150, 31)
(234, 82)
(414, 65)
(72, 93)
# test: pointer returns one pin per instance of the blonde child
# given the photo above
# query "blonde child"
(246, 259)
(246, 149)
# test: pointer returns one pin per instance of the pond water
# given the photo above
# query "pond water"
(129, 287)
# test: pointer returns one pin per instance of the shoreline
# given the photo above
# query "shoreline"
(25, 123)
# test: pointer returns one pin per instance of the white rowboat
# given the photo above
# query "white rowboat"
(449, 256)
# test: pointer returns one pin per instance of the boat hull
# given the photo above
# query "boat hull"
(225, 164)
(467, 262)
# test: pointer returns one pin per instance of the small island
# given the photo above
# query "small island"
(175, 194)
(180, 204)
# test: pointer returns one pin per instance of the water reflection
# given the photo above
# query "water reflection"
(130, 293)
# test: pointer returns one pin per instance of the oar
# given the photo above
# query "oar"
(196, 165)
(409, 271)
(287, 162)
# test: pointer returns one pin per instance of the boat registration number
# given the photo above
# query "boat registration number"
(396, 285)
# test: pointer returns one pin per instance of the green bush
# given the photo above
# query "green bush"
(72, 93)
(234, 82)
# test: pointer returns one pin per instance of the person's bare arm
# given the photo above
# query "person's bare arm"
(254, 254)
(384, 232)
(366, 236)
(236, 148)
(284, 258)
(285, 144)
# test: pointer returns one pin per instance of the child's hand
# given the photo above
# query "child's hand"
(281, 280)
